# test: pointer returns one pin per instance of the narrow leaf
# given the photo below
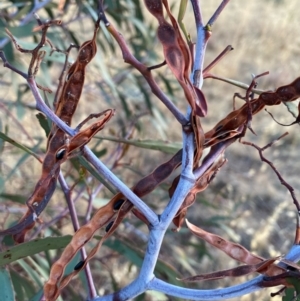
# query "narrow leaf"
(14, 197)
(7, 293)
(94, 173)
(43, 122)
(23, 287)
(18, 145)
(33, 247)
(163, 146)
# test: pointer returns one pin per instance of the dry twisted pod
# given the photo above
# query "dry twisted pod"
(65, 109)
(103, 216)
(178, 58)
(235, 250)
(234, 272)
(84, 137)
(47, 184)
(223, 130)
(281, 279)
(199, 99)
(176, 53)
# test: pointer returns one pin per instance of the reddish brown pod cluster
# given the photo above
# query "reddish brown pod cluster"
(224, 129)
(59, 147)
(110, 215)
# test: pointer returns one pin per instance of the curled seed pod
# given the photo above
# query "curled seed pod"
(65, 109)
(239, 117)
(79, 265)
(109, 226)
(84, 136)
(234, 272)
(234, 250)
(117, 205)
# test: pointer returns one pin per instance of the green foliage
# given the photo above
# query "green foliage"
(33, 247)
(163, 146)
(6, 286)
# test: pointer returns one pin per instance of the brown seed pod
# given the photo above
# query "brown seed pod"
(65, 110)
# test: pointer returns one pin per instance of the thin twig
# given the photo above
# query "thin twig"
(217, 59)
(197, 13)
(217, 13)
(88, 274)
(203, 34)
(132, 60)
(37, 6)
(233, 82)
(248, 98)
(281, 179)
(22, 129)
(6, 64)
